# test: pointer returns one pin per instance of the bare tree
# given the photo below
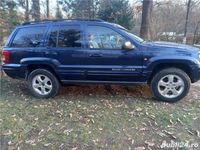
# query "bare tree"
(36, 9)
(58, 11)
(167, 21)
(47, 8)
(27, 10)
(196, 32)
(25, 5)
(186, 21)
(146, 19)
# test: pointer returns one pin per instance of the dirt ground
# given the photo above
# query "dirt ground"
(97, 117)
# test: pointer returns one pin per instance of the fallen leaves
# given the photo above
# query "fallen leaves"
(180, 121)
(140, 148)
(198, 133)
(132, 141)
(75, 148)
(70, 115)
(100, 129)
(115, 113)
(31, 142)
(92, 120)
(161, 134)
(107, 103)
(8, 133)
(83, 119)
(91, 116)
(170, 134)
(190, 132)
(10, 143)
(41, 132)
(47, 144)
(68, 131)
(143, 129)
(36, 106)
(138, 109)
(171, 121)
(149, 144)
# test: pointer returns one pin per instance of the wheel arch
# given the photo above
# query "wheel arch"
(32, 67)
(184, 67)
(33, 63)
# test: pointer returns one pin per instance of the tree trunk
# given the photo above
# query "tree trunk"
(36, 9)
(89, 9)
(27, 11)
(196, 33)
(186, 22)
(47, 4)
(58, 11)
(145, 30)
(93, 9)
(1, 37)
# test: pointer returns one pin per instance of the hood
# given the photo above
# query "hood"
(170, 45)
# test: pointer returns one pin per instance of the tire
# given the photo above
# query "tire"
(43, 84)
(170, 85)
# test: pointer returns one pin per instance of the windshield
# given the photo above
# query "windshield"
(138, 39)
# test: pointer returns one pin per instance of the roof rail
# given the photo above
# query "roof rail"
(57, 20)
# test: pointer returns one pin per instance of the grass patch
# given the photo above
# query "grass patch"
(90, 117)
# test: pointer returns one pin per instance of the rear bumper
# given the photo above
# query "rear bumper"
(15, 71)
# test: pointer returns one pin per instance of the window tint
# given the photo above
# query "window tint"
(104, 38)
(29, 37)
(69, 37)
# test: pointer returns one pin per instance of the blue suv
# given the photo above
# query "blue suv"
(49, 53)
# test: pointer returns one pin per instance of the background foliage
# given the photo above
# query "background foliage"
(161, 20)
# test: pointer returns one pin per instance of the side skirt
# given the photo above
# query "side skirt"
(100, 82)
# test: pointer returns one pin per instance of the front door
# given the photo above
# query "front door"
(107, 58)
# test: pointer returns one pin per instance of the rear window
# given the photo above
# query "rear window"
(29, 37)
(65, 36)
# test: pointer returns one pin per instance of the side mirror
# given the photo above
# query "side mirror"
(128, 46)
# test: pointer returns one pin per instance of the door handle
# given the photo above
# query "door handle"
(96, 55)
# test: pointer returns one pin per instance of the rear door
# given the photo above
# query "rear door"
(108, 60)
(66, 44)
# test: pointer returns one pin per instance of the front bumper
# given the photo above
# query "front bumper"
(15, 71)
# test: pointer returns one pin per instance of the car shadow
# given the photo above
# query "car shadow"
(77, 92)
(141, 91)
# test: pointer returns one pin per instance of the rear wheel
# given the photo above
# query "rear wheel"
(43, 84)
(170, 85)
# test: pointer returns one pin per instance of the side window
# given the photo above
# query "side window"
(69, 37)
(104, 38)
(53, 37)
(29, 37)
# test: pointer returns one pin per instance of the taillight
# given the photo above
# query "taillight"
(6, 57)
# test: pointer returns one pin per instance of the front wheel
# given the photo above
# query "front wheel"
(170, 85)
(43, 84)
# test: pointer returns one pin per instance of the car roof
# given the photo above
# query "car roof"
(46, 21)
(71, 20)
